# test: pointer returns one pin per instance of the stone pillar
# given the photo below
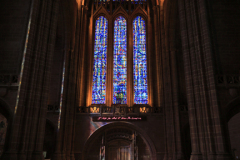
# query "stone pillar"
(71, 92)
(207, 136)
(28, 126)
(83, 54)
(158, 66)
(168, 19)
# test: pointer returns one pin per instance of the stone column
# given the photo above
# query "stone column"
(158, 66)
(173, 145)
(83, 54)
(71, 95)
(207, 138)
(28, 126)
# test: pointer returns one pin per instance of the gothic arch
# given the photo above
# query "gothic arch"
(88, 2)
(127, 125)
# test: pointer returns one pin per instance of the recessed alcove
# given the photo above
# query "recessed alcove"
(119, 141)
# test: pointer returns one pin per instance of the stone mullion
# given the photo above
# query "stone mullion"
(109, 84)
(221, 144)
(130, 90)
(196, 154)
(157, 51)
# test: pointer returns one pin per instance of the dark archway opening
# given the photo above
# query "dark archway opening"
(49, 140)
(119, 141)
(186, 139)
(234, 130)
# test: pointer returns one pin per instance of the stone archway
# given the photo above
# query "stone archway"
(121, 135)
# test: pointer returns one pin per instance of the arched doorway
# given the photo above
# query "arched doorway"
(119, 141)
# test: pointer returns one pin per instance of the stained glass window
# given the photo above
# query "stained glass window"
(120, 61)
(100, 61)
(139, 61)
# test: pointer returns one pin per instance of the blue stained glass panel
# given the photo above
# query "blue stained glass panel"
(120, 61)
(139, 62)
(100, 61)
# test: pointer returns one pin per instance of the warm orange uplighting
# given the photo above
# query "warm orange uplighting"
(144, 109)
(94, 110)
(80, 2)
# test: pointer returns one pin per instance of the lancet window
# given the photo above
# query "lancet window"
(120, 63)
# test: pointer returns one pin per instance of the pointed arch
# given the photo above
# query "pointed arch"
(126, 125)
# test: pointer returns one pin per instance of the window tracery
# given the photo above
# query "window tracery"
(124, 81)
